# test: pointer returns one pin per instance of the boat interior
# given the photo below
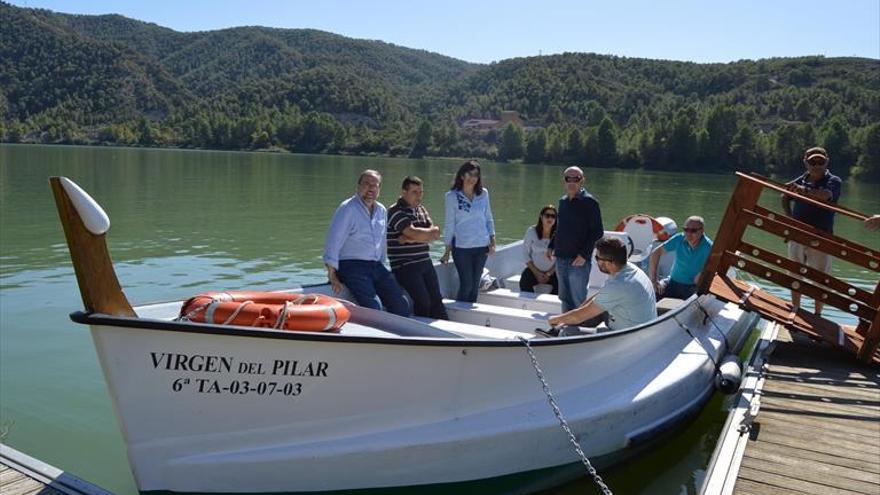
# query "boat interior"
(502, 311)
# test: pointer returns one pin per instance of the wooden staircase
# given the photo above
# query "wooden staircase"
(729, 250)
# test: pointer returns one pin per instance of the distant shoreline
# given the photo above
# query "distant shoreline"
(443, 158)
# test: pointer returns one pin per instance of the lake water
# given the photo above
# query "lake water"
(188, 221)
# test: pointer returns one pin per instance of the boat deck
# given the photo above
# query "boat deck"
(817, 428)
(21, 474)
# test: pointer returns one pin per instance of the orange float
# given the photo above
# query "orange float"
(283, 311)
(659, 233)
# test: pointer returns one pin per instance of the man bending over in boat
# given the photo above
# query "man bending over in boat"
(410, 232)
(355, 249)
(628, 296)
(691, 250)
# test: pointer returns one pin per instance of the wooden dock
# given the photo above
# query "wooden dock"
(808, 422)
(21, 474)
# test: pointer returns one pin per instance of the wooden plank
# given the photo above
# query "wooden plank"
(856, 407)
(851, 479)
(10, 476)
(855, 427)
(836, 437)
(23, 486)
(787, 482)
(819, 241)
(749, 487)
(780, 311)
(731, 229)
(807, 471)
(779, 187)
(869, 468)
(833, 371)
(830, 386)
(779, 217)
(805, 271)
(826, 387)
(817, 410)
(49, 480)
(815, 443)
(779, 277)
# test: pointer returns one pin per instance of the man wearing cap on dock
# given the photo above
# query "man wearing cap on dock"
(819, 184)
(355, 249)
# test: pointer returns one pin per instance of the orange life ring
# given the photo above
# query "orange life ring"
(284, 311)
(641, 218)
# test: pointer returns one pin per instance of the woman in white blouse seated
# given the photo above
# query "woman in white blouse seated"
(539, 268)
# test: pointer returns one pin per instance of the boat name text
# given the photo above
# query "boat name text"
(217, 364)
(208, 363)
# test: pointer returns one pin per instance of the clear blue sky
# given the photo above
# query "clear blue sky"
(490, 30)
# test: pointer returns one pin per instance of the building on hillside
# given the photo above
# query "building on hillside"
(507, 117)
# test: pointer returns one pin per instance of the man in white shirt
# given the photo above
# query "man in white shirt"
(355, 249)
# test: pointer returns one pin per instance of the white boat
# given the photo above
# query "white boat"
(387, 401)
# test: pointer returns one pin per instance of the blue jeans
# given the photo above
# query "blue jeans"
(469, 263)
(572, 283)
(368, 279)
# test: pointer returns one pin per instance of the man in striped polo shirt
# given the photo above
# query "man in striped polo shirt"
(410, 232)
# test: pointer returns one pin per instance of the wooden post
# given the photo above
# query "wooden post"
(731, 230)
(872, 335)
(98, 284)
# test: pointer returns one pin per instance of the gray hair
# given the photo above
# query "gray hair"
(578, 169)
(696, 218)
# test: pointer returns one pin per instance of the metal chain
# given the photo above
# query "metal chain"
(562, 423)
(708, 352)
(712, 320)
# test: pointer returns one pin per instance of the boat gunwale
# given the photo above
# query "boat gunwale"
(258, 332)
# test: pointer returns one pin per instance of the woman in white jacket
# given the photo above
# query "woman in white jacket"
(540, 269)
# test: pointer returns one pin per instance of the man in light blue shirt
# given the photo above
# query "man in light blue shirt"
(355, 249)
(628, 296)
(692, 249)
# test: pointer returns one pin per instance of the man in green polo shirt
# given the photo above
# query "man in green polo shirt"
(691, 250)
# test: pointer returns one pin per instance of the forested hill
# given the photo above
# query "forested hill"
(109, 79)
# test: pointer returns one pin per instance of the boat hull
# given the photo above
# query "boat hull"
(203, 409)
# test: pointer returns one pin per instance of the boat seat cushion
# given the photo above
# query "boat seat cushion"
(668, 304)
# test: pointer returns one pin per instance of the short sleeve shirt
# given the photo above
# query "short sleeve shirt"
(628, 296)
(689, 260)
(813, 215)
(401, 216)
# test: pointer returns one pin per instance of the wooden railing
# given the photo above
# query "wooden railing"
(729, 250)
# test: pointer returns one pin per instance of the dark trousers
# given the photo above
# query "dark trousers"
(527, 282)
(420, 281)
(678, 290)
(469, 263)
(370, 282)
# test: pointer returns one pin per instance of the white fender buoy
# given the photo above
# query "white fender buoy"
(729, 374)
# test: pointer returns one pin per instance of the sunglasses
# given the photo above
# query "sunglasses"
(570, 179)
(817, 163)
(693, 230)
(548, 215)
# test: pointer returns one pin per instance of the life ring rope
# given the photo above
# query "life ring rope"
(296, 312)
